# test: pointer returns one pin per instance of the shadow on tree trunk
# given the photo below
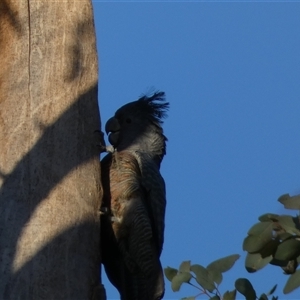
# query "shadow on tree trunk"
(66, 147)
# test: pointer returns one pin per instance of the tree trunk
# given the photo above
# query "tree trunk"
(50, 189)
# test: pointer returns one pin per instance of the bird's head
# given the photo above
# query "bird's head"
(137, 125)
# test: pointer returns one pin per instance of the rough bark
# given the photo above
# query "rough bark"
(50, 187)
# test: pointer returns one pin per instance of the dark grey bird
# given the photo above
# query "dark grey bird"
(132, 228)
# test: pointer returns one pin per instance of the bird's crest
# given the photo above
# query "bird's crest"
(155, 106)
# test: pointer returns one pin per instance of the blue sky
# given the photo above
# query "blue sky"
(231, 72)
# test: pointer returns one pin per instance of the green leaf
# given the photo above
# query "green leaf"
(279, 263)
(185, 266)
(284, 236)
(263, 229)
(290, 202)
(170, 273)
(269, 217)
(272, 290)
(258, 236)
(219, 266)
(179, 279)
(189, 298)
(203, 277)
(289, 224)
(245, 287)
(215, 275)
(292, 283)
(288, 250)
(269, 248)
(229, 295)
(223, 264)
(255, 262)
(253, 244)
(263, 297)
(215, 297)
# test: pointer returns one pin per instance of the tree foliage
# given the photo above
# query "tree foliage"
(274, 240)
(207, 280)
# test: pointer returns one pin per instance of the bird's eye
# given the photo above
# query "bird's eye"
(128, 120)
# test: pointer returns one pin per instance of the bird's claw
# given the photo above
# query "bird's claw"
(102, 146)
(108, 149)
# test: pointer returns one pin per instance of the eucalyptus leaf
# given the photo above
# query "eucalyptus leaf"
(288, 250)
(219, 266)
(203, 277)
(279, 263)
(261, 229)
(215, 275)
(284, 236)
(284, 198)
(244, 286)
(268, 217)
(272, 290)
(229, 295)
(289, 224)
(179, 279)
(253, 244)
(292, 283)
(290, 202)
(170, 273)
(269, 248)
(263, 297)
(223, 264)
(185, 266)
(255, 262)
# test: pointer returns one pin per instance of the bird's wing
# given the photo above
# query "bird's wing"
(155, 197)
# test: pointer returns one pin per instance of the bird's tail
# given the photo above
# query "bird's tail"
(139, 286)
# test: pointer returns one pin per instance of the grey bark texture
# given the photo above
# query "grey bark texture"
(50, 190)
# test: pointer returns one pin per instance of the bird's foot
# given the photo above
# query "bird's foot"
(102, 146)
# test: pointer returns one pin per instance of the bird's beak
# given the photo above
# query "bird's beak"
(112, 126)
